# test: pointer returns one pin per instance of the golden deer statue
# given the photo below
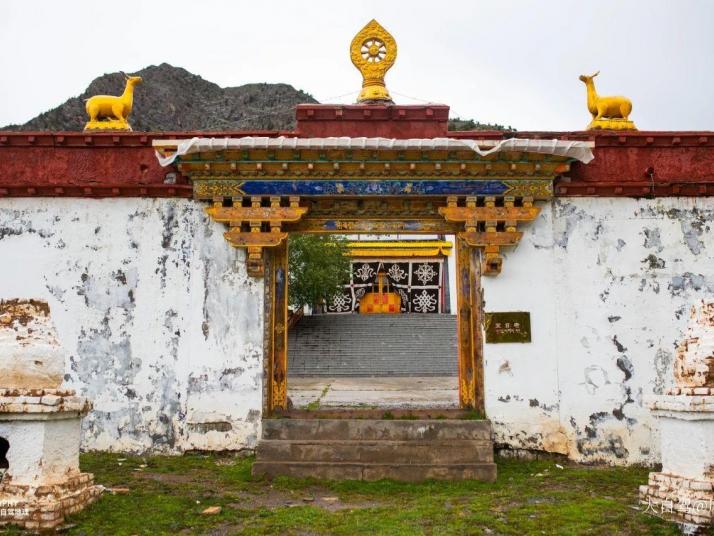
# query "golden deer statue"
(109, 112)
(608, 112)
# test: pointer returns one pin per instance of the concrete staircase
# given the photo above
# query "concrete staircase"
(354, 345)
(370, 449)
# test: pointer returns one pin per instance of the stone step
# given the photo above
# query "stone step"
(449, 452)
(376, 429)
(401, 317)
(373, 449)
(373, 345)
(363, 374)
(376, 471)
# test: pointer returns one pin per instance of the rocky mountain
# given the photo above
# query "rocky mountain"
(457, 123)
(171, 98)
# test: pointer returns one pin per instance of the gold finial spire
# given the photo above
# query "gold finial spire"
(373, 51)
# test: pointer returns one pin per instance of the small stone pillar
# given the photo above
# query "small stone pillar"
(40, 481)
(684, 490)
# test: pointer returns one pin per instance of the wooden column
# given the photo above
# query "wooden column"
(470, 347)
(476, 328)
(278, 349)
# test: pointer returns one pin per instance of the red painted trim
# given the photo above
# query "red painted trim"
(372, 121)
(95, 190)
(565, 188)
(119, 139)
(371, 112)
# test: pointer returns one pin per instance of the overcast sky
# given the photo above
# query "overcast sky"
(511, 62)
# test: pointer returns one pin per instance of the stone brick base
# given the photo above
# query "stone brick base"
(45, 507)
(679, 499)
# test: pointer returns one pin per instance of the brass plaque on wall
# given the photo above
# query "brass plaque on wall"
(508, 327)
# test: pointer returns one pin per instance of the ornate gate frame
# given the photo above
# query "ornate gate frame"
(469, 336)
(266, 188)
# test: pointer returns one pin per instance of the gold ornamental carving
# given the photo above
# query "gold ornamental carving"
(110, 112)
(373, 51)
(280, 394)
(608, 113)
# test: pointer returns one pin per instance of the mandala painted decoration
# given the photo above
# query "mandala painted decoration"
(341, 303)
(365, 272)
(425, 273)
(418, 282)
(424, 302)
(396, 274)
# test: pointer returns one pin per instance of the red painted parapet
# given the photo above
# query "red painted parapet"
(646, 164)
(53, 163)
(75, 164)
(632, 164)
(372, 121)
(119, 164)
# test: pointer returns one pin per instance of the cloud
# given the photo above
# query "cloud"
(511, 62)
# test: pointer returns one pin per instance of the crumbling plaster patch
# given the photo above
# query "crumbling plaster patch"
(162, 325)
(608, 283)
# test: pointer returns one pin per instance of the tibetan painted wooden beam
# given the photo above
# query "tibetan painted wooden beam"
(466, 214)
(493, 238)
(372, 225)
(263, 214)
(240, 239)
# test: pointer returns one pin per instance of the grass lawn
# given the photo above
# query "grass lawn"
(166, 495)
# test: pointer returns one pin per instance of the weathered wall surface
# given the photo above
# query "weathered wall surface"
(161, 325)
(609, 284)
(163, 329)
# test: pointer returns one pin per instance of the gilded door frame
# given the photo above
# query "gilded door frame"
(469, 328)
(276, 333)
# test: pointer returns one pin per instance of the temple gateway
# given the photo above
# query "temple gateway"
(563, 265)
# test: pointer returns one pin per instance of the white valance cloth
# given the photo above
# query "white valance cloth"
(578, 150)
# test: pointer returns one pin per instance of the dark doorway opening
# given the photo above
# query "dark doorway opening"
(4, 463)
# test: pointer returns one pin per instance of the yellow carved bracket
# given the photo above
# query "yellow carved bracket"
(490, 227)
(255, 227)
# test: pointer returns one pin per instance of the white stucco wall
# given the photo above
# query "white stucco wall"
(163, 328)
(608, 283)
(156, 314)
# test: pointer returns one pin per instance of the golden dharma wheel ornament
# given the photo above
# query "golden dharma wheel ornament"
(373, 51)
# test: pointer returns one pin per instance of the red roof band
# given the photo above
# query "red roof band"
(123, 164)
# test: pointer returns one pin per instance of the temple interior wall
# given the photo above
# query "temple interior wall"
(163, 329)
(609, 283)
(450, 260)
